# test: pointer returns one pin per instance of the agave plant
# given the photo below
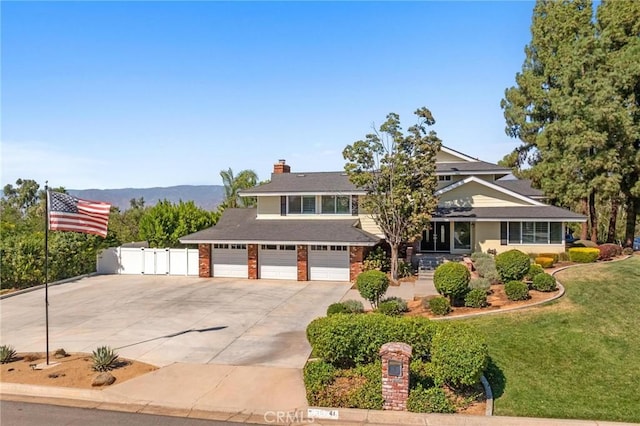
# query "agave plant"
(104, 359)
(7, 354)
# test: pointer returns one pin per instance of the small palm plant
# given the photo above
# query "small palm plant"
(104, 359)
(7, 354)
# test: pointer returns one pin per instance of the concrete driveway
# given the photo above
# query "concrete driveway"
(161, 320)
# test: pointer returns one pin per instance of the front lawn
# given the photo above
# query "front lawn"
(578, 357)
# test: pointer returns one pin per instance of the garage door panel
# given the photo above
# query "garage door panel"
(278, 264)
(231, 263)
(329, 265)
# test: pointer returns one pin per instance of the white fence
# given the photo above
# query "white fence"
(148, 261)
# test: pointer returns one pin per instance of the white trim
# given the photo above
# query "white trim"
(467, 172)
(299, 243)
(488, 185)
(280, 194)
(457, 154)
(510, 219)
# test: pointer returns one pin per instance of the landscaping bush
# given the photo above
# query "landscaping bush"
(480, 283)
(609, 251)
(459, 354)
(534, 270)
(7, 354)
(354, 306)
(104, 359)
(476, 298)
(544, 282)
(516, 290)
(404, 269)
(393, 306)
(627, 251)
(377, 260)
(563, 257)
(346, 340)
(317, 375)
(584, 243)
(554, 256)
(421, 373)
(431, 400)
(372, 285)
(337, 308)
(475, 256)
(584, 254)
(512, 265)
(545, 262)
(451, 279)
(486, 268)
(439, 305)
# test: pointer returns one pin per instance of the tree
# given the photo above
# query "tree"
(234, 184)
(398, 173)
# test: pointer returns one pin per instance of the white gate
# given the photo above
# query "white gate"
(148, 261)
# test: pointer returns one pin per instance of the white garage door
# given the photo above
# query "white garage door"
(329, 263)
(229, 260)
(278, 262)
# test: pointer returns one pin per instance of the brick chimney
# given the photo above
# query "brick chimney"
(281, 167)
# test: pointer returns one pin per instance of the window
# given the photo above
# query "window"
(308, 204)
(238, 246)
(535, 233)
(220, 246)
(462, 236)
(338, 248)
(445, 178)
(336, 204)
(295, 204)
(298, 204)
(319, 248)
(269, 247)
(287, 247)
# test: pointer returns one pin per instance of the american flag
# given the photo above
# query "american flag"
(68, 213)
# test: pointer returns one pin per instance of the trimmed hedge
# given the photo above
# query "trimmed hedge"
(346, 307)
(554, 256)
(431, 400)
(544, 282)
(393, 306)
(512, 265)
(421, 373)
(516, 290)
(584, 254)
(608, 251)
(451, 280)
(459, 355)
(475, 256)
(439, 305)
(480, 283)
(545, 262)
(476, 298)
(372, 285)
(534, 270)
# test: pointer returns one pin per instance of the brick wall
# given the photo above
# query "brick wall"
(303, 263)
(204, 260)
(252, 261)
(395, 389)
(356, 257)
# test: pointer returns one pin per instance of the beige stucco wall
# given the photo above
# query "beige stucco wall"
(269, 205)
(367, 224)
(443, 157)
(487, 237)
(474, 194)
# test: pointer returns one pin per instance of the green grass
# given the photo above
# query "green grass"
(578, 357)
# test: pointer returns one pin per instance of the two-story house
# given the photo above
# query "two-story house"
(309, 226)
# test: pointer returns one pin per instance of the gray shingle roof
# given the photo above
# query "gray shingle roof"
(510, 213)
(241, 225)
(521, 186)
(313, 182)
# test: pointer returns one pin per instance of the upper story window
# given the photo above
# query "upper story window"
(336, 204)
(305, 204)
(444, 178)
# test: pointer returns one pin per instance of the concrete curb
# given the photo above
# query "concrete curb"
(489, 394)
(40, 287)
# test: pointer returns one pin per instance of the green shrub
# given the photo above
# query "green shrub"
(487, 269)
(554, 256)
(609, 251)
(317, 376)
(534, 270)
(459, 355)
(475, 256)
(563, 257)
(421, 373)
(439, 306)
(512, 265)
(393, 306)
(544, 282)
(404, 269)
(584, 243)
(480, 283)
(476, 298)
(337, 308)
(627, 251)
(346, 340)
(368, 394)
(354, 306)
(516, 290)
(7, 354)
(584, 254)
(377, 260)
(104, 359)
(431, 400)
(451, 280)
(372, 285)
(545, 262)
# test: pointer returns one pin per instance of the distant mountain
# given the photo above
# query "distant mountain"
(206, 196)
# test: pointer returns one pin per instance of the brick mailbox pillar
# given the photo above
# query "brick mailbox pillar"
(395, 375)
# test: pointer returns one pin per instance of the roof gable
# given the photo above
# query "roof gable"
(475, 192)
(448, 155)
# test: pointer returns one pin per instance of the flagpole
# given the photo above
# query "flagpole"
(46, 265)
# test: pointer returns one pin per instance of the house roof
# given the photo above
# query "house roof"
(514, 213)
(241, 226)
(521, 186)
(312, 183)
(491, 185)
(476, 167)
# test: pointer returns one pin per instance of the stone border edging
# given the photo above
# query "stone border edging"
(41, 286)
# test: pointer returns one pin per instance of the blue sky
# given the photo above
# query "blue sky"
(140, 94)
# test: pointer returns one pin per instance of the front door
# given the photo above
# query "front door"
(437, 238)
